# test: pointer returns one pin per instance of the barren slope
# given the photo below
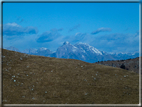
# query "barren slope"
(42, 80)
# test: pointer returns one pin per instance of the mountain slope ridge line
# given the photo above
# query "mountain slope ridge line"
(79, 51)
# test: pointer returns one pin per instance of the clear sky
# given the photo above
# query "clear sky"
(110, 27)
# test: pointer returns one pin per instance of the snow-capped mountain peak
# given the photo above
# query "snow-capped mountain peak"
(42, 49)
(12, 48)
(66, 43)
(87, 47)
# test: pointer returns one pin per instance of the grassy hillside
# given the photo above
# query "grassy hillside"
(29, 79)
(130, 64)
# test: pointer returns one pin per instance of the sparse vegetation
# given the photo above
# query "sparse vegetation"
(122, 66)
(30, 79)
(129, 64)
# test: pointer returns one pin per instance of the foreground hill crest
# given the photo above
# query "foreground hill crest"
(30, 79)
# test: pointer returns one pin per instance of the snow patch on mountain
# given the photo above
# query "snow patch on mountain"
(87, 47)
(42, 49)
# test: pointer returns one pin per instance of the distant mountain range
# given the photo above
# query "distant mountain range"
(79, 51)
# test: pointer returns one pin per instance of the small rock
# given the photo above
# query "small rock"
(45, 91)
(4, 100)
(14, 80)
(51, 70)
(13, 76)
(94, 78)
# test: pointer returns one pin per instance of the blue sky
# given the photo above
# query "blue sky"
(111, 27)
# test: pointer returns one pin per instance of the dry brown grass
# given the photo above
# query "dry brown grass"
(44, 80)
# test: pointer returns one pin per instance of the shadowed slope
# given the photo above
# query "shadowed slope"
(29, 79)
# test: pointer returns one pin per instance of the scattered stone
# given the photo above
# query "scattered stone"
(23, 96)
(94, 78)
(51, 70)
(33, 98)
(86, 93)
(81, 66)
(124, 76)
(21, 58)
(14, 80)
(96, 74)
(4, 100)
(45, 91)
(27, 75)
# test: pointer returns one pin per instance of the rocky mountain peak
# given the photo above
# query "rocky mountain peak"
(66, 43)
